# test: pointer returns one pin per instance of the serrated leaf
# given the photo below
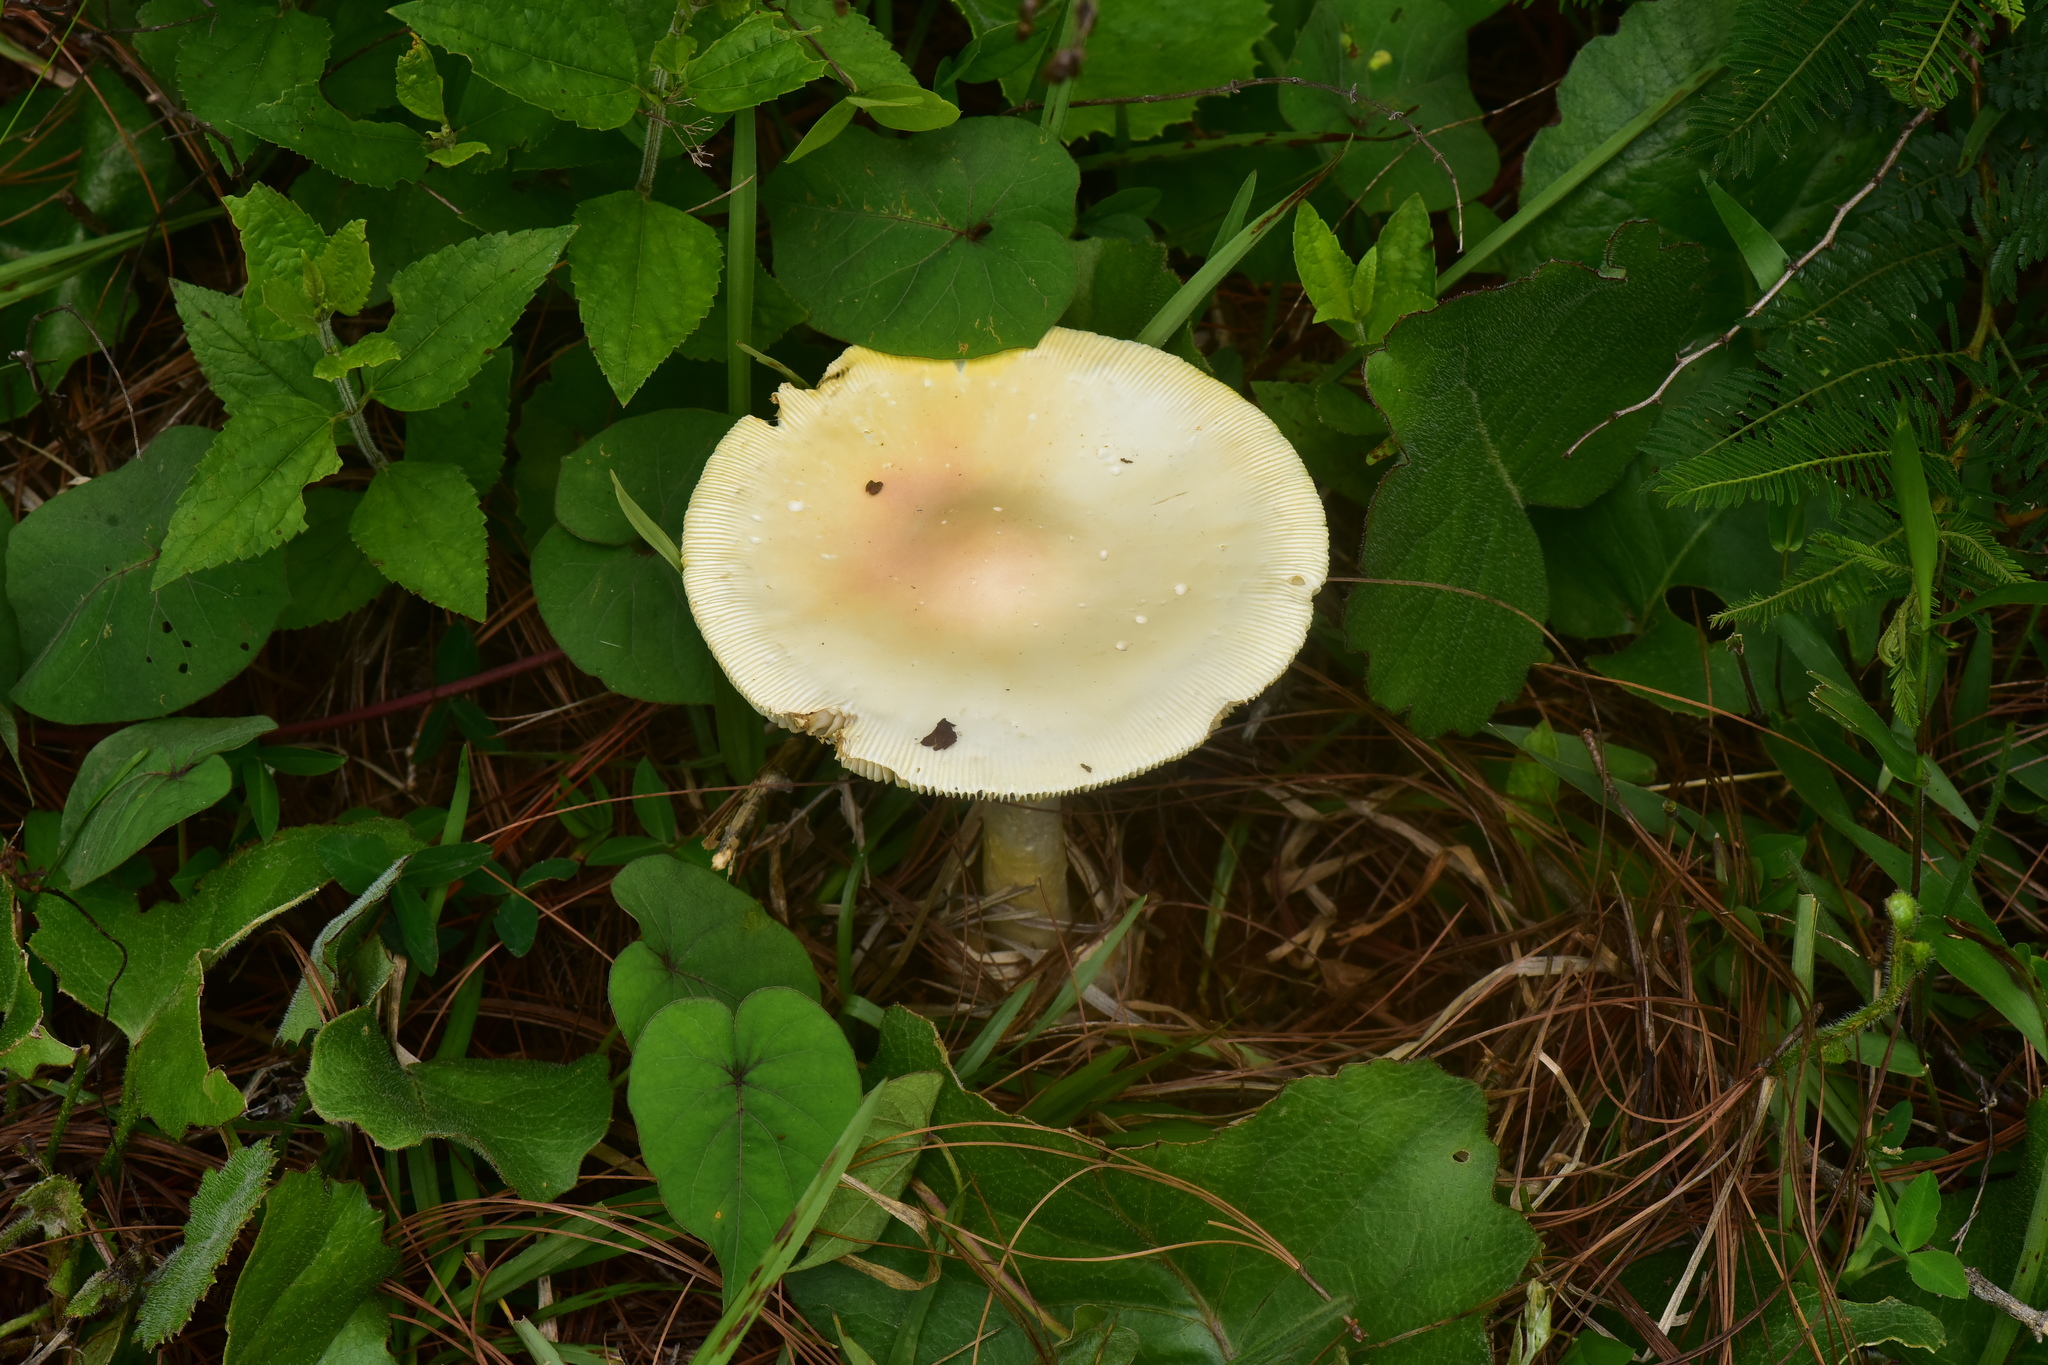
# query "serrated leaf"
(855, 49)
(138, 782)
(700, 936)
(468, 431)
(533, 1121)
(949, 244)
(329, 574)
(276, 235)
(753, 62)
(374, 349)
(775, 312)
(645, 275)
(453, 308)
(737, 1111)
(1486, 394)
(242, 367)
(100, 645)
(345, 269)
(419, 83)
(318, 1258)
(420, 524)
(1325, 268)
(1406, 56)
(577, 61)
(246, 496)
(457, 153)
(888, 1157)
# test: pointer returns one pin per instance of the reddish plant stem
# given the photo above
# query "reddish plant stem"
(415, 700)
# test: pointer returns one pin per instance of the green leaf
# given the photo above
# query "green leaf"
(752, 63)
(344, 268)
(330, 576)
(1408, 56)
(645, 276)
(362, 1339)
(375, 349)
(245, 498)
(100, 645)
(419, 83)
(1915, 1211)
(1486, 394)
(319, 1256)
(1325, 268)
(908, 108)
(828, 126)
(700, 937)
(468, 431)
(277, 236)
(856, 49)
(533, 1121)
(577, 62)
(1403, 277)
(947, 244)
(1379, 1174)
(1938, 1272)
(619, 611)
(1760, 251)
(420, 524)
(242, 367)
(1119, 285)
(454, 308)
(1334, 456)
(1873, 1324)
(138, 782)
(775, 312)
(737, 1111)
(888, 1157)
(226, 1201)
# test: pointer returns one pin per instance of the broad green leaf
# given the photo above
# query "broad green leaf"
(856, 49)
(319, 1256)
(533, 1121)
(100, 645)
(246, 496)
(908, 108)
(758, 59)
(468, 431)
(419, 84)
(277, 236)
(645, 275)
(242, 368)
(374, 349)
(251, 68)
(330, 576)
(619, 611)
(168, 1067)
(362, 1338)
(23, 1044)
(1377, 1175)
(421, 526)
(138, 782)
(824, 129)
(1486, 394)
(226, 1201)
(1118, 286)
(1915, 1210)
(737, 1110)
(454, 308)
(775, 312)
(948, 244)
(700, 936)
(575, 61)
(620, 614)
(1407, 55)
(1403, 270)
(888, 1157)
(1658, 47)
(1325, 268)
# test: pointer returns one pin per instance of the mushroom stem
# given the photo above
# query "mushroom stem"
(1024, 845)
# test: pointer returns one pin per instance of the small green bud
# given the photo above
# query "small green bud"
(1904, 910)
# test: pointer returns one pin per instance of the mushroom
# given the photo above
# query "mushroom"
(1010, 578)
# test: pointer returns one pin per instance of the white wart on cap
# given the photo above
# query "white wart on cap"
(1028, 574)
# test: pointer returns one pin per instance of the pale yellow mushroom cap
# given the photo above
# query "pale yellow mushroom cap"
(1017, 576)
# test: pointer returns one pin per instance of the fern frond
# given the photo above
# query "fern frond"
(1972, 542)
(1924, 49)
(1891, 266)
(1792, 65)
(1836, 573)
(2014, 227)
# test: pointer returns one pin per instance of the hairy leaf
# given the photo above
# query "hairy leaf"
(575, 61)
(1149, 47)
(533, 1121)
(453, 308)
(645, 275)
(737, 1110)
(226, 1201)
(700, 936)
(759, 59)
(100, 645)
(277, 235)
(948, 244)
(242, 368)
(319, 1256)
(246, 496)
(421, 526)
